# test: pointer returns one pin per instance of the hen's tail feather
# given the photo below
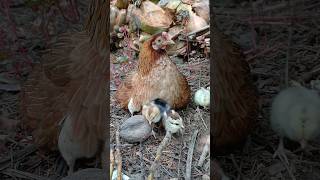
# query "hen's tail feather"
(86, 105)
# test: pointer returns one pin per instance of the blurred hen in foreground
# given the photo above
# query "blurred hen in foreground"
(235, 96)
(157, 77)
(69, 88)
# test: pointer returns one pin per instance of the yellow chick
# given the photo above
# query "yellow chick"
(173, 123)
(156, 110)
(295, 114)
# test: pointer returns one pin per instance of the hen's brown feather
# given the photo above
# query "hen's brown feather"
(236, 99)
(157, 77)
(38, 111)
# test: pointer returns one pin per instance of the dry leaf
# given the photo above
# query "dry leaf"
(153, 18)
(195, 23)
(201, 7)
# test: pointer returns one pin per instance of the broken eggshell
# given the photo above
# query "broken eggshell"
(135, 129)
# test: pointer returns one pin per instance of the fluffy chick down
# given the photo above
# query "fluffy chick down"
(295, 114)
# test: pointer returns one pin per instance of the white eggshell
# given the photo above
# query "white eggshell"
(202, 97)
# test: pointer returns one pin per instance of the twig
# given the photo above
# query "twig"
(162, 145)
(204, 153)
(180, 152)
(141, 159)
(308, 76)
(237, 167)
(118, 156)
(6, 162)
(111, 162)
(23, 175)
(199, 30)
(190, 154)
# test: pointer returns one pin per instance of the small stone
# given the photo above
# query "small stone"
(135, 129)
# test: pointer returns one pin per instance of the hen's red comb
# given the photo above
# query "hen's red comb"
(165, 35)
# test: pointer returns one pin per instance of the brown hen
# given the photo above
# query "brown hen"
(156, 77)
(235, 96)
(67, 91)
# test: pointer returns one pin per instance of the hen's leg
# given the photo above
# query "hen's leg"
(70, 163)
(281, 152)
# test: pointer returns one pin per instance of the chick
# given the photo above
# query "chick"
(173, 123)
(295, 114)
(70, 147)
(151, 112)
(132, 107)
(156, 110)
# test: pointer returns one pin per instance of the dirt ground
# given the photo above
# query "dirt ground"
(263, 31)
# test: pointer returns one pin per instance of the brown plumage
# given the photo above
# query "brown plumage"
(70, 83)
(235, 96)
(156, 77)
